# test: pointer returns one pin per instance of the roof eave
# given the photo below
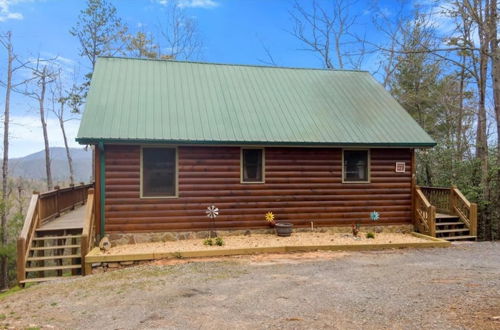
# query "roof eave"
(86, 140)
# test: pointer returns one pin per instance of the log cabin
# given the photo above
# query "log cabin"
(322, 148)
(310, 145)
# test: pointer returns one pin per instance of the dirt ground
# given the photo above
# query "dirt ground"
(448, 288)
(262, 240)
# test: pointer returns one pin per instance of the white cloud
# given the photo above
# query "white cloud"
(27, 137)
(6, 12)
(192, 3)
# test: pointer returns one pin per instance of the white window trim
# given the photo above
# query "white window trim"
(176, 172)
(369, 161)
(263, 166)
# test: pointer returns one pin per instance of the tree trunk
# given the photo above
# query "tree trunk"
(44, 129)
(481, 139)
(495, 78)
(68, 153)
(4, 279)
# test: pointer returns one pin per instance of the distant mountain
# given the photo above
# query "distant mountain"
(33, 166)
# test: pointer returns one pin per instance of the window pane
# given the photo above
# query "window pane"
(252, 165)
(158, 172)
(355, 165)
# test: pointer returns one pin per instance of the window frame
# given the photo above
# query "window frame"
(176, 179)
(368, 170)
(263, 165)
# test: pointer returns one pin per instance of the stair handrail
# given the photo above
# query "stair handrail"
(425, 214)
(25, 238)
(88, 233)
(465, 210)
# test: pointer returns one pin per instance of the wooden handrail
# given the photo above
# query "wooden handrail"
(31, 222)
(88, 233)
(425, 214)
(439, 197)
(464, 209)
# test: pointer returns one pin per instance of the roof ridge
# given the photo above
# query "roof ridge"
(230, 64)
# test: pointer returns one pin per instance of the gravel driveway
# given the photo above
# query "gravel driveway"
(451, 288)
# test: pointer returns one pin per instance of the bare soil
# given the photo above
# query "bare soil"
(265, 240)
(446, 288)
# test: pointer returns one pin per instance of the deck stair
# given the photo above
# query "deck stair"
(451, 228)
(53, 254)
(58, 232)
(445, 213)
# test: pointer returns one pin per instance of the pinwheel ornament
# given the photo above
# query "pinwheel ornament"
(212, 212)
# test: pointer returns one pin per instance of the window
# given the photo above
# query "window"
(159, 172)
(356, 165)
(252, 165)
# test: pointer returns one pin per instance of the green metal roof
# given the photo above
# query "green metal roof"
(137, 100)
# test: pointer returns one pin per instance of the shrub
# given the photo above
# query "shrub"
(370, 235)
(219, 241)
(208, 242)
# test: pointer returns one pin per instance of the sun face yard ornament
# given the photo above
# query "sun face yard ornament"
(212, 212)
(374, 216)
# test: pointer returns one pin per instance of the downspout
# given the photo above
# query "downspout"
(102, 185)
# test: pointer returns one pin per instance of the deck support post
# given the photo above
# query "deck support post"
(102, 187)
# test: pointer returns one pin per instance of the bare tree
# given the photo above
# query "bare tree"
(13, 65)
(60, 98)
(325, 30)
(43, 75)
(179, 36)
(269, 56)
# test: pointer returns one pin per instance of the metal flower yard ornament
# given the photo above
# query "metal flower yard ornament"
(374, 215)
(270, 218)
(212, 212)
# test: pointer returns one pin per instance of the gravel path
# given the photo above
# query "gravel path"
(450, 288)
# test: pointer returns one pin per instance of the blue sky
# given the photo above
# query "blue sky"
(233, 31)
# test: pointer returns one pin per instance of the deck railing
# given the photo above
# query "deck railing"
(42, 208)
(89, 230)
(59, 200)
(425, 214)
(451, 201)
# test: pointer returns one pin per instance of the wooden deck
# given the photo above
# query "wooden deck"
(70, 220)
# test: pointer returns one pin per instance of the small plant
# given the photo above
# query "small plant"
(177, 255)
(53, 304)
(370, 235)
(208, 242)
(355, 229)
(219, 241)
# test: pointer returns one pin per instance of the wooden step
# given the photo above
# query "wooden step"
(44, 238)
(69, 256)
(449, 223)
(54, 247)
(446, 216)
(461, 238)
(451, 230)
(45, 279)
(62, 267)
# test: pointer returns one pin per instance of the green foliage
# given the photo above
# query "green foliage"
(208, 242)
(100, 32)
(219, 241)
(370, 235)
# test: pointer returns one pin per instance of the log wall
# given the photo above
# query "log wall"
(302, 185)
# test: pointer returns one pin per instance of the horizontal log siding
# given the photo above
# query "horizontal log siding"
(302, 185)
